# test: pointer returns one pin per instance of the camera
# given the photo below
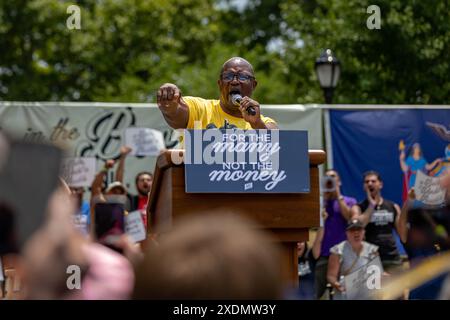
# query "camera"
(328, 184)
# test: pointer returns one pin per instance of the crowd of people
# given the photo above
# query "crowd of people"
(354, 234)
(216, 256)
(211, 256)
(222, 256)
(233, 265)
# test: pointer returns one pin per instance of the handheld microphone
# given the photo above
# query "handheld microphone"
(236, 99)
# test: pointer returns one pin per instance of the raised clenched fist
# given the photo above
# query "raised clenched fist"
(168, 96)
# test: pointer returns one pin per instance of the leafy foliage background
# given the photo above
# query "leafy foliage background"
(127, 48)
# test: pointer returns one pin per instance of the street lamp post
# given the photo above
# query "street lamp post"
(328, 70)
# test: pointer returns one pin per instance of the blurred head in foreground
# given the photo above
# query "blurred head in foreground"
(211, 257)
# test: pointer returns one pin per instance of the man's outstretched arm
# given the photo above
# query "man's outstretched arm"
(172, 106)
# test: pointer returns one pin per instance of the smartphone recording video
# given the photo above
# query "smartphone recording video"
(109, 222)
(28, 171)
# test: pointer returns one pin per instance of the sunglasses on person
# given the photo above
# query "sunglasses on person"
(242, 77)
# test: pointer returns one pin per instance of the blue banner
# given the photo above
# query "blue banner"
(251, 161)
(374, 140)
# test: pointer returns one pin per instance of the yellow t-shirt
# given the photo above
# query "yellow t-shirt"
(209, 111)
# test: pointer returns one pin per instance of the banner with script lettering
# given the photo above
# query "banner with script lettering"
(253, 161)
(88, 130)
(97, 129)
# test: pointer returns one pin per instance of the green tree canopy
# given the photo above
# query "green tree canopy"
(127, 48)
(406, 61)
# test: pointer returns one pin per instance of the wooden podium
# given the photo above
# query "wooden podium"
(287, 216)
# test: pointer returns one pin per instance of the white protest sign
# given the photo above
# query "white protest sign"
(79, 172)
(144, 141)
(428, 189)
(360, 283)
(134, 226)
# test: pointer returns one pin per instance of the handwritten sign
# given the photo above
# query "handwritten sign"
(79, 172)
(134, 226)
(356, 283)
(428, 190)
(144, 141)
(248, 161)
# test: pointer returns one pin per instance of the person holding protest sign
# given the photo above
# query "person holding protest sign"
(235, 108)
(381, 218)
(349, 256)
(338, 212)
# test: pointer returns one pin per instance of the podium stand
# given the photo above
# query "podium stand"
(287, 216)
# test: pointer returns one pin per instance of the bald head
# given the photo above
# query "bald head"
(237, 61)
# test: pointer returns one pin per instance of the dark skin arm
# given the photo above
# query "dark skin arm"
(172, 106)
(176, 111)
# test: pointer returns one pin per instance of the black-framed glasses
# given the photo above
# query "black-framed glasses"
(242, 77)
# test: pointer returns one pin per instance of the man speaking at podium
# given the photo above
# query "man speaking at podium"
(235, 109)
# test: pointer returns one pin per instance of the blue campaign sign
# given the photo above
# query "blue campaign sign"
(252, 161)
